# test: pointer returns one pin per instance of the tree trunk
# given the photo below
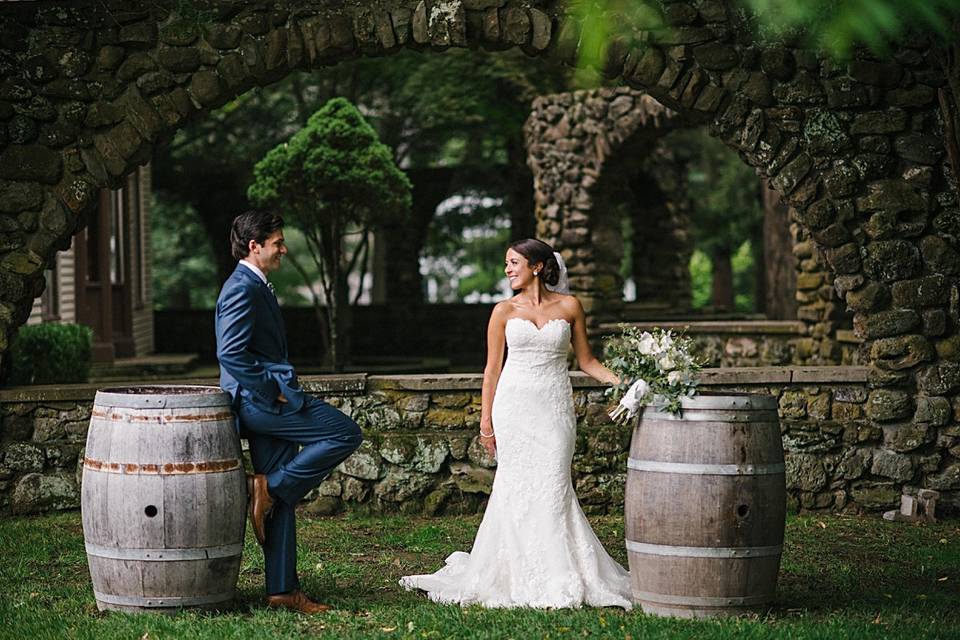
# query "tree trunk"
(218, 195)
(778, 269)
(520, 200)
(949, 100)
(403, 244)
(403, 240)
(344, 320)
(323, 321)
(722, 279)
(181, 297)
(328, 252)
(759, 275)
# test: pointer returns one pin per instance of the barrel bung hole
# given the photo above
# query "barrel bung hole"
(150, 511)
(743, 510)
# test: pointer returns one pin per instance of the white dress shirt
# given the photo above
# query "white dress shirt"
(255, 269)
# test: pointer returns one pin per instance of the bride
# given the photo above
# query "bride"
(534, 547)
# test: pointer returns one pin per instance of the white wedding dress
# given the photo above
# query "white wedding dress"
(534, 547)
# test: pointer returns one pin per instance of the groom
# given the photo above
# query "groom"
(295, 440)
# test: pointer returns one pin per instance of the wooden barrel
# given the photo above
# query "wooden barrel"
(705, 506)
(163, 498)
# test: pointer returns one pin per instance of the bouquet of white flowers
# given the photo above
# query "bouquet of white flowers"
(653, 366)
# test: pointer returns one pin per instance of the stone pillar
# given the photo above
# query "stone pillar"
(574, 141)
(819, 306)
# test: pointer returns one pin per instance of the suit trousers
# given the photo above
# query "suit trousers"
(296, 452)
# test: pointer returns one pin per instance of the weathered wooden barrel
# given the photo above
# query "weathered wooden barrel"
(705, 506)
(163, 498)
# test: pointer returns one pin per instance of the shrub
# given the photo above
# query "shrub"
(51, 353)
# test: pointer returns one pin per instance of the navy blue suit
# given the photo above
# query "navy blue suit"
(296, 444)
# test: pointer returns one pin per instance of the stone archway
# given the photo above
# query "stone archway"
(572, 139)
(89, 88)
(594, 151)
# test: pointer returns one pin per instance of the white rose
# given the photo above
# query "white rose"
(665, 342)
(674, 377)
(667, 363)
(647, 344)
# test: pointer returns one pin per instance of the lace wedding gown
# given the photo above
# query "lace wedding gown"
(534, 547)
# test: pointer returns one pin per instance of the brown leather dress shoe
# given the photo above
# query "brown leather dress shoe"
(296, 601)
(260, 504)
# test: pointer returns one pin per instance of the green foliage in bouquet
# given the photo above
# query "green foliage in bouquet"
(660, 359)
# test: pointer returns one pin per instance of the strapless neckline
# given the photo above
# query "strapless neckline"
(534, 324)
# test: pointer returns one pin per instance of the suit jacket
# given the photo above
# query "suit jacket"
(252, 346)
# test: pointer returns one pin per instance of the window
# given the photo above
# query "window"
(50, 301)
(137, 240)
(117, 217)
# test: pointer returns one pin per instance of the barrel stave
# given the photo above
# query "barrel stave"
(196, 578)
(704, 511)
(686, 577)
(120, 519)
(111, 576)
(215, 503)
(708, 442)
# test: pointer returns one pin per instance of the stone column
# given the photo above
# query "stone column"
(573, 141)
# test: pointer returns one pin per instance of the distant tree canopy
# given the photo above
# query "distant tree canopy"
(460, 109)
(333, 178)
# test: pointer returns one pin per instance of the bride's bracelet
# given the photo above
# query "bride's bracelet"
(486, 435)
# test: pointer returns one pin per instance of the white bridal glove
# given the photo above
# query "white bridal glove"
(631, 402)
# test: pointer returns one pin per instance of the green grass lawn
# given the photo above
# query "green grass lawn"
(841, 577)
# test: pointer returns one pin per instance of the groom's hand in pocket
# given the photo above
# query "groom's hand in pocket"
(282, 399)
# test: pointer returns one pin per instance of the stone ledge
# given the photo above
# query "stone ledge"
(745, 375)
(345, 384)
(829, 374)
(426, 382)
(355, 384)
(738, 327)
(848, 336)
(783, 375)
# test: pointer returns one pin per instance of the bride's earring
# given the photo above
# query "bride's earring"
(536, 273)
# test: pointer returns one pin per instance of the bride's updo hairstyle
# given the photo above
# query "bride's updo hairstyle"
(538, 251)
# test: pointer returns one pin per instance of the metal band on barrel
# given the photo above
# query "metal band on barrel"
(701, 601)
(706, 469)
(164, 555)
(756, 418)
(165, 469)
(163, 601)
(113, 415)
(703, 552)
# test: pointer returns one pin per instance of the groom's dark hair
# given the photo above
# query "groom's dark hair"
(257, 225)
